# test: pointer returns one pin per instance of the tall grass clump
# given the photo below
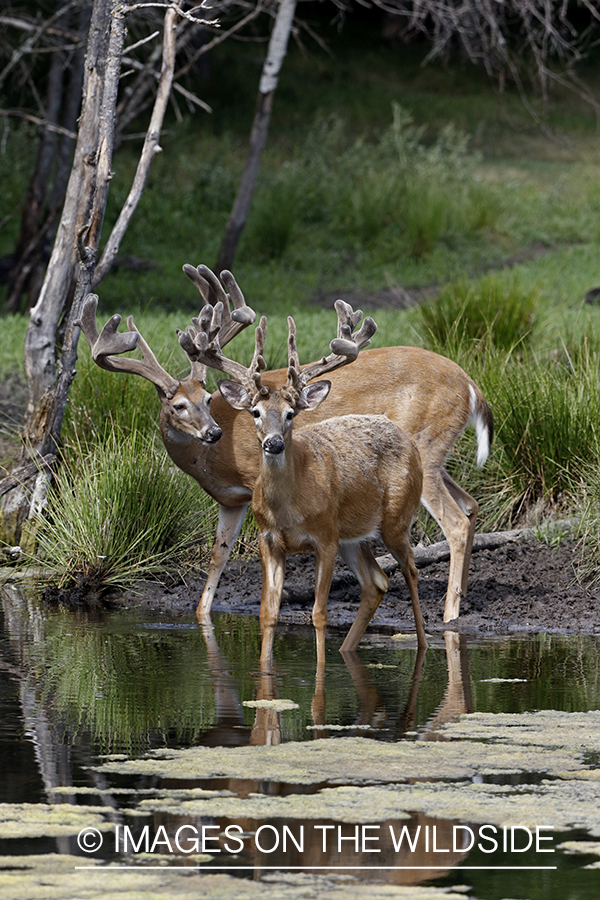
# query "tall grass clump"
(492, 311)
(585, 491)
(546, 428)
(548, 419)
(119, 512)
(99, 399)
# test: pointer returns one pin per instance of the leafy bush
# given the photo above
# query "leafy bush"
(272, 218)
(424, 192)
(397, 186)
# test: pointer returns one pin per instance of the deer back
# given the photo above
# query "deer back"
(340, 478)
(428, 396)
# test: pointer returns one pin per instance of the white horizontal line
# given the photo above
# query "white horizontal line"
(201, 868)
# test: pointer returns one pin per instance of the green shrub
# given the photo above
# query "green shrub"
(271, 221)
(424, 192)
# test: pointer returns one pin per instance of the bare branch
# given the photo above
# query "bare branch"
(150, 149)
(35, 120)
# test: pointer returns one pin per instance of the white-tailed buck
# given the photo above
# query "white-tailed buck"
(335, 484)
(427, 395)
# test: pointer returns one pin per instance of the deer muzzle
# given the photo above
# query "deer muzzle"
(213, 434)
(273, 444)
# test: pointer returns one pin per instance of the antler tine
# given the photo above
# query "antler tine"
(214, 291)
(346, 347)
(110, 341)
(201, 342)
(253, 380)
(294, 385)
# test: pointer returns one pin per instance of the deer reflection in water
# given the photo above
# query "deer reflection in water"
(427, 849)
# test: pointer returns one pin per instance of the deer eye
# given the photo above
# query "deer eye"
(289, 416)
(179, 406)
(208, 399)
(256, 413)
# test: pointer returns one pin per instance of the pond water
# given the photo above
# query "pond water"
(78, 690)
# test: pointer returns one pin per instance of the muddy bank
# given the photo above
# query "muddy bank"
(526, 586)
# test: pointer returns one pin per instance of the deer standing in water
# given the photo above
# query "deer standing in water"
(428, 396)
(336, 484)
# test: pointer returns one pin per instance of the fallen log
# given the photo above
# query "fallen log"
(440, 552)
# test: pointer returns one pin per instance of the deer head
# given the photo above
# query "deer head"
(274, 410)
(185, 403)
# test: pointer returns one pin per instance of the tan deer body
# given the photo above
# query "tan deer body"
(426, 395)
(343, 483)
(337, 484)
(429, 397)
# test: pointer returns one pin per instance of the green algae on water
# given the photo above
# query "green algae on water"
(38, 877)
(32, 820)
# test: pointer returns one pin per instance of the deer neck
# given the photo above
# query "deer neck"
(278, 477)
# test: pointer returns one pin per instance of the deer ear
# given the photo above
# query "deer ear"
(314, 394)
(235, 394)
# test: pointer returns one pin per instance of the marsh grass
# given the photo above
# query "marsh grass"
(119, 512)
(585, 493)
(548, 421)
(493, 310)
(546, 411)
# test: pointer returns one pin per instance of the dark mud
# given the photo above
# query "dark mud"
(526, 586)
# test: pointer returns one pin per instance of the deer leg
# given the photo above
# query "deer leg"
(470, 507)
(230, 521)
(397, 543)
(318, 704)
(373, 584)
(457, 525)
(272, 561)
(323, 574)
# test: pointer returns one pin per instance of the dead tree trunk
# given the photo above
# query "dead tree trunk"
(83, 211)
(77, 245)
(258, 136)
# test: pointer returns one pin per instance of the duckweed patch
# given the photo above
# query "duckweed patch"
(343, 804)
(38, 877)
(560, 804)
(582, 848)
(52, 875)
(551, 743)
(32, 820)
(338, 727)
(545, 729)
(278, 705)
(445, 779)
(501, 680)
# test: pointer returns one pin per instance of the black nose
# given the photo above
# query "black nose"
(214, 434)
(273, 444)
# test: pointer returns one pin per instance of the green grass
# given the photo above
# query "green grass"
(119, 512)
(490, 310)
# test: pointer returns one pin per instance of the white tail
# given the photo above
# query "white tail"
(336, 484)
(429, 397)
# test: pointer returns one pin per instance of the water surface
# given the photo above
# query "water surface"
(76, 688)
